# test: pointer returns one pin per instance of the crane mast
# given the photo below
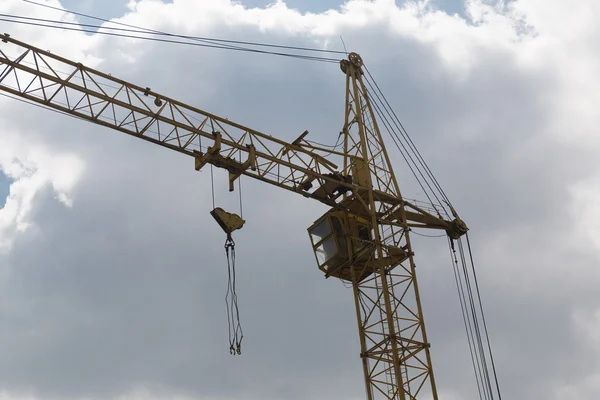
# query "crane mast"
(363, 239)
(394, 346)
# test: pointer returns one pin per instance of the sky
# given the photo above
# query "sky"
(116, 8)
(4, 188)
(113, 273)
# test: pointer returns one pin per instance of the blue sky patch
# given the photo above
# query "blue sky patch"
(116, 8)
(4, 185)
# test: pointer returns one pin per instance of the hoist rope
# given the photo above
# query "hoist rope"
(65, 26)
(182, 36)
(406, 150)
(399, 144)
(241, 203)
(465, 276)
(474, 320)
(240, 190)
(475, 333)
(212, 185)
(405, 135)
(487, 337)
(175, 38)
(463, 309)
(233, 314)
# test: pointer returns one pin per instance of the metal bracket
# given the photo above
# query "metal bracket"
(459, 227)
(203, 159)
(236, 172)
(235, 168)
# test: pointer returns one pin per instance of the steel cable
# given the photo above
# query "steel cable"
(65, 26)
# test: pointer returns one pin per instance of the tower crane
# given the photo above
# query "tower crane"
(365, 236)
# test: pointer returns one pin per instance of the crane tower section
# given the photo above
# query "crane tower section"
(363, 239)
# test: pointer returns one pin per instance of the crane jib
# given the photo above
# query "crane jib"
(364, 238)
(83, 92)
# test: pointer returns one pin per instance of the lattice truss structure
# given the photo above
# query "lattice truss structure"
(358, 180)
(80, 91)
(395, 352)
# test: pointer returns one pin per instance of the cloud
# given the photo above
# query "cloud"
(125, 288)
(586, 327)
(31, 169)
(140, 393)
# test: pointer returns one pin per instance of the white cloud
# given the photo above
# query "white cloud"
(4, 395)
(32, 168)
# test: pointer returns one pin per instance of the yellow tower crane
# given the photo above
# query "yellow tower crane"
(364, 238)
